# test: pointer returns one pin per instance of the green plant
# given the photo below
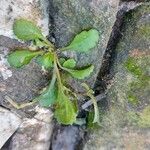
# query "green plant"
(57, 94)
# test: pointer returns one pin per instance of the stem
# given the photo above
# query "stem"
(57, 70)
(58, 61)
(49, 43)
(60, 64)
(96, 110)
(19, 106)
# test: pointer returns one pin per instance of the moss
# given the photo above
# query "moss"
(133, 99)
(140, 119)
(144, 120)
(131, 65)
(144, 30)
(137, 67)
(133, 118)
(141, 83)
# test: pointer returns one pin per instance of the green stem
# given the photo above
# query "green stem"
(57, 70)
(49, 43)
(60, 66)
(19, 106)
(96, 110)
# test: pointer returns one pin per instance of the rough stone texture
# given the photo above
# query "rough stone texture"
(72, 138)
(34, 133)
(35, 10)
(21, 85)
(126, 125)
(70, 17)
(9, 124)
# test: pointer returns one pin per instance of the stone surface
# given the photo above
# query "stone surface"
(67, 138)
(9, 124)
(34, 133)
(22, 85)
(71, 17)
(35, 10)
(127, 123)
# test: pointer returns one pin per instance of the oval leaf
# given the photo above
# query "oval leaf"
(46, 60)
(65, 112)
(81, 74)
(50, 95)
(21, 57)
(26, 30)
(70, 63)
(84, 41)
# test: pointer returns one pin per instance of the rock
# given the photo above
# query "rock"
(35, 10)
(34, 133)
(10, 122)
(71, 17)
(126, 124)
(62, 139)
(22, 85)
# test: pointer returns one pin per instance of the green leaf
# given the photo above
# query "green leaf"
(80, 74)
(65, 112)
(70, 63)
(39, 43)
(49, 96)
(90, 93)
(46, 60)
(61, 60)
(26, 30)
(84, 41)
(90, 118)
(21, 57)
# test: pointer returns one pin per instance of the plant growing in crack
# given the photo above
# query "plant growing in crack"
(57, 94)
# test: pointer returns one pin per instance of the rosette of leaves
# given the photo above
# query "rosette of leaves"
(56, 94)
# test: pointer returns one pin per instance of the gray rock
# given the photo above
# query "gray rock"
(34, 133)
(71, 17)
(35, 10)
(126, 124)
(10, 122)
(22, 85)
(67, 138)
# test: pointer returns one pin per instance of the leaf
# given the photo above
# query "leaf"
(80, 74)
(46, 60)
(70, 63)
(21, 57)
(39, 43)
(90, 93)
(50, 95)
(65, 112)
(84, 41)
(26, 30)
(61, 60)
(90, 118)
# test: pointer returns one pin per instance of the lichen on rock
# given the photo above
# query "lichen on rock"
(129, 94)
